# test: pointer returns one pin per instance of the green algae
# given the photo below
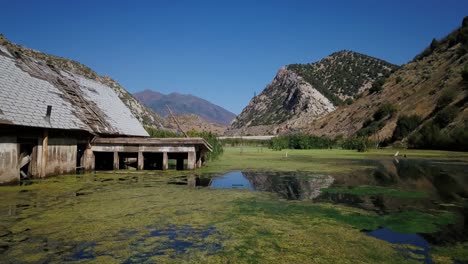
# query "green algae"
(377, 190)
(107, 217)
(247, 228)
(450, 253)
(404, 222)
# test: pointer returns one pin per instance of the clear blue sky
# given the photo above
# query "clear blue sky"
(222, 51)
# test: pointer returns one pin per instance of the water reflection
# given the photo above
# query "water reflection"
(444, 183)
(412, 246)
(288, 185)
(232, 180)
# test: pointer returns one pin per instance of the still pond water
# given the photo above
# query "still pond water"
(81, 202)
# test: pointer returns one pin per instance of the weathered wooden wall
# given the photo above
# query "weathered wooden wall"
(9, 171)
(61, 156)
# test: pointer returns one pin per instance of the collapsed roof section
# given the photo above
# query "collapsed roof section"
(35, 94)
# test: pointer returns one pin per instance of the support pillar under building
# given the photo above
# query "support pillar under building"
(88, 160)
(141, 161)
(165, 163)
(45, 153)
(116, 160)
(191, 160)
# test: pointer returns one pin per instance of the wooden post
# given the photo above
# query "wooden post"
(88, 160)
(199, 159)
(116, 160)
(141, 161)
(191, 160)
(165, 164)
(45, 152)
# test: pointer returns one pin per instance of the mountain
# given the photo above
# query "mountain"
(145, 115)
(190, 122)
(423, 103)
(184, 104)
(300, 93)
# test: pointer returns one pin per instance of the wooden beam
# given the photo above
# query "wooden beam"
(177, 122)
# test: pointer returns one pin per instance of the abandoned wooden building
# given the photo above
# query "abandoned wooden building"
(57, 122)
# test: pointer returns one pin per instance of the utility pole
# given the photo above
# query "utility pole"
(177, 122)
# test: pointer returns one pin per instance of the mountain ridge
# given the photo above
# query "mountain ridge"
(303, 92)
(184, 104)
(431, 90)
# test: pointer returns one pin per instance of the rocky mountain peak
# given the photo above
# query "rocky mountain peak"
(304, 92)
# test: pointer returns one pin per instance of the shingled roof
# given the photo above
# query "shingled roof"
(28, 86)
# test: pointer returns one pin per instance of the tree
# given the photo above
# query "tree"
(386, 109)
(445, 99)
(464, 74)
(446, 116)
(377, 86)
(434, 44)
(405, 125)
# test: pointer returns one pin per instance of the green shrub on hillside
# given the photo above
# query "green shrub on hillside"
(462, 37)
(445, 116)
(377, 86)
(436, 135)
(405, 125)
(464, 74)
(386, 109)
(445, 99)
(370, 129)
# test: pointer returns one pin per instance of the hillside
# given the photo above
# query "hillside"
(184, 104)
(141, 112)
(428, 95)
(300, 93)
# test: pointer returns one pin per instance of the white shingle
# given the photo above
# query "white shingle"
(24, 100)
(24, 97)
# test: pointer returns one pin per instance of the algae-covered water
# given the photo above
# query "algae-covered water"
(382, 210)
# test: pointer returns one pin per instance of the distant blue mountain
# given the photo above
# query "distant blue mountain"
(184, 104)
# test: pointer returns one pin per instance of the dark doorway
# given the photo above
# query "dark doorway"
(180, 160)
(153, 161)
(25, 156)
(128, 160)
(79, 155)
(103, 160)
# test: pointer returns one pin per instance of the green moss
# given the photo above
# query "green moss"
(448, 254)
(405, 222)
(376, 190)
(51, 220)
(117, 211)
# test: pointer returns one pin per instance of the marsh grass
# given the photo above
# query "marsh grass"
(109, 218)
(447, 254)
(329, 161)
(377, 190)
(117, 218)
